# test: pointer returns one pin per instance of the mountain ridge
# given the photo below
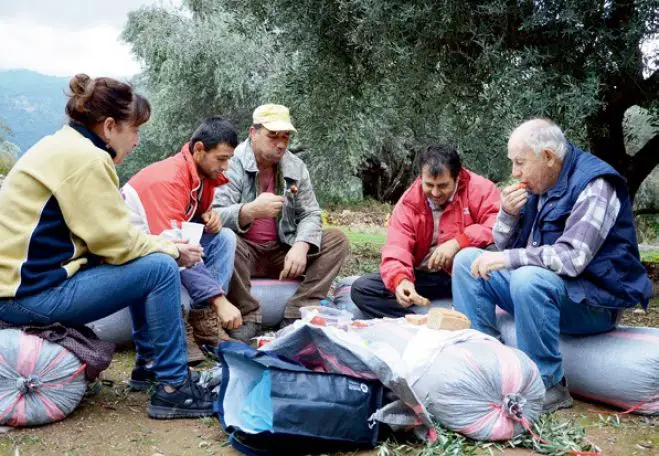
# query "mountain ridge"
(31, 105)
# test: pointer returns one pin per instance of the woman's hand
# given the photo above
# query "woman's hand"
(189, 255)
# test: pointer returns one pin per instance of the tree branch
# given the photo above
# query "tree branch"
(649, 89)
(647, 211)
(642, 164)
(621, 14)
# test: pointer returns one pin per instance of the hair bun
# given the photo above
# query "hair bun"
(79, 84)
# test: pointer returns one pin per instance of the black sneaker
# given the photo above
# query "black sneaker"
(246, 332)
(188, 400)
(142, 378)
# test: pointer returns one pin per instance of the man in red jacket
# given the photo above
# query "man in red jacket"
(445, 210)
(180, 189)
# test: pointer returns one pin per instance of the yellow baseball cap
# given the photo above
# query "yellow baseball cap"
(273, 117)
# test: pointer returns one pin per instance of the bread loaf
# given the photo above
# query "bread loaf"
(450, 320)
(415, 319)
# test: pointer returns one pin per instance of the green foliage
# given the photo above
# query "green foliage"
(8, 151)
(358, 237)
(6, 164)
(199, 66)
(647, 228)
(641, 127)
(558, 437)
(384, 78)
(379, 80)
(650, 257)
(364, 259)
(364, 252)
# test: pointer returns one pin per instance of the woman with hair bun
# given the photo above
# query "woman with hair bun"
(70, 255)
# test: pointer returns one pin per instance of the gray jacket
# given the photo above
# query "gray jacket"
(299, 219)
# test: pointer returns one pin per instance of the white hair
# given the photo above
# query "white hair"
(539, 135)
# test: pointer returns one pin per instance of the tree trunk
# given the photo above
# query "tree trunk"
(607, 143)
(385, 182)
(606, 134)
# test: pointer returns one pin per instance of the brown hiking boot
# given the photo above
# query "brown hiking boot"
(206, 326)
(195, 356)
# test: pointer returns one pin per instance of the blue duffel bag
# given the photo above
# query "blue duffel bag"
(270, 405)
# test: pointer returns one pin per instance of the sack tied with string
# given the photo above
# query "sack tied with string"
(40, 382)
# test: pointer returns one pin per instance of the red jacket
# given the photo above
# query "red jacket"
(169, 190)
(469, 219)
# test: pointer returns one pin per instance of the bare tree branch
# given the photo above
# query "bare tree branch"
(647, 211)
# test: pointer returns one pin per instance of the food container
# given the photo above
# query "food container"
(326, 316)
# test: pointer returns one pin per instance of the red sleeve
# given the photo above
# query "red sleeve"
(484, 203)
(163, 202)
(397, 257)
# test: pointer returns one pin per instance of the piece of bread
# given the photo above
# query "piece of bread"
(425, 302)
(450, 320)
(415, 319)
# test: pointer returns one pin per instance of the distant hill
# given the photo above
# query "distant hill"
(31, 105)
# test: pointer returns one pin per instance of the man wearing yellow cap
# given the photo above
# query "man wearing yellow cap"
(270, 203)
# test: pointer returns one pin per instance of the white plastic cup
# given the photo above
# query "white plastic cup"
(192, 232)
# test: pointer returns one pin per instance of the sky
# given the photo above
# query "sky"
(65, 37)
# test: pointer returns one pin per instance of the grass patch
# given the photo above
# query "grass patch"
(365, 248)
(359, 237)
(650, 257)
(364, 259)
(558, 437)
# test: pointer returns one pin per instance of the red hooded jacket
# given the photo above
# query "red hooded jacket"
(469, 219)
(170, 190)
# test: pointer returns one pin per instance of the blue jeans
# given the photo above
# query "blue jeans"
(212, 277)
(537, 298)
(150, 286)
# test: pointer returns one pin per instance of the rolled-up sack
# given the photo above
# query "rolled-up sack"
(482, 389)
(273, 295)
(619, 367)
(40, 382)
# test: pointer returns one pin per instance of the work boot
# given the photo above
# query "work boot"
(195, 356)
(206, 327)
(557, 397)
(247, 331)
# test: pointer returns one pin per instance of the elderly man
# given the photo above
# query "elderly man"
(570, 260)
(270, 203)
(446, 209)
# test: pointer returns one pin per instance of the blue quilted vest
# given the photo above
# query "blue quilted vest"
(615, 278)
